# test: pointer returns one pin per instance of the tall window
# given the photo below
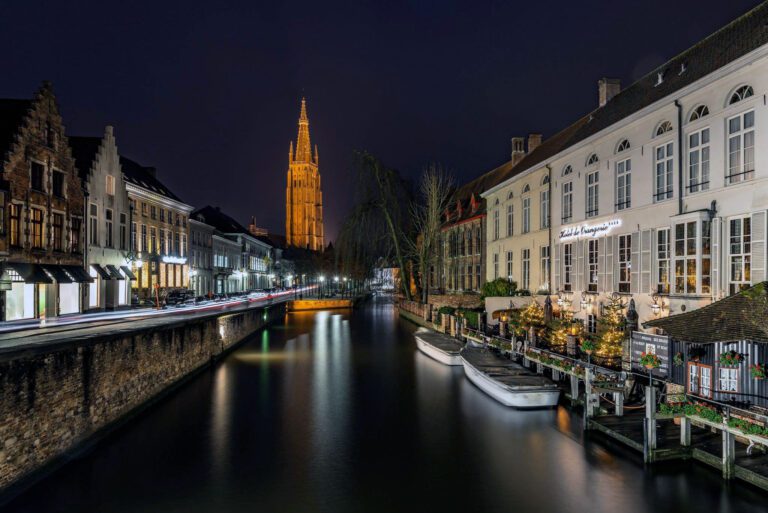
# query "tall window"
(477, 276)
(592, 259)
(662, 261)
(544, 215)
(510, 220)
(526, 260)
(123, 230)
(469, 277)
(36, 216)
(625, 265)
(685, 258)
(496, 224)
(110, 185)
(134, 247)
(184, 246)
(698, 160)
(545, 266)
(567, 266)
(526, 214)
(478, 240)
(109, 225)
(567, 202)
(93, 224)
(706, 254)
(740, 251)
(37, 176)
(144, 238)
(509, 265)
(75, 234)
(665, 158)
(153, 240)
(741, 147)
(495, 265)
(143, 209)
(153, 212)
(700, 380)
(592, 193)
(14, 215)
(176, 244)
(58, 184)
(623, 184)
(729, 379)
(58, 232)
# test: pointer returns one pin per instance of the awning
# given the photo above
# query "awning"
(78, 273)
(30, 273)
(114, 272)
(58, 273)
(127, 272)
(101, 272)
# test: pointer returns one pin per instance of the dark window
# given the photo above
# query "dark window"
(58, 232)
(58, 184)
(75, 242)
(36, 218)
(15, 218)
(37, 174)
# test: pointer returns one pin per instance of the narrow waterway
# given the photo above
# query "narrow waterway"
(339, 412)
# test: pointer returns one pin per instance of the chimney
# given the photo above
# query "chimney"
(607, 88)
(518, 149)
(534, 140)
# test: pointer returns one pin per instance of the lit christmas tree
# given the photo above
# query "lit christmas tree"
(532, 316)
(610, 329)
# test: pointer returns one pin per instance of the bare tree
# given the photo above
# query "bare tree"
(433, 197)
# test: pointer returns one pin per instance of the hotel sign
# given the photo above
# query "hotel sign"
(589, 230)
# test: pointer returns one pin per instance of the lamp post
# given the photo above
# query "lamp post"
(322, 281)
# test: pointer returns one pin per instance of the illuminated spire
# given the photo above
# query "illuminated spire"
(303, 146)
(290, 153)
(317, 158)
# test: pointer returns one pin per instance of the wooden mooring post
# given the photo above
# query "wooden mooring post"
(685, 431)
(729, 454)
(574, 388)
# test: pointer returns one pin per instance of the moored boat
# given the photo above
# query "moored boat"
(509, 383)
(438, 346)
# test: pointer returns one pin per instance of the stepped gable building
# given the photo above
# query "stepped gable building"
(106, 232)
(461, 265)
(303, 197)
(658, 196)
(41, 212)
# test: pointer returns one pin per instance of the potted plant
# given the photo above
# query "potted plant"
(757, 371)
(696, 353)
(588, 346)
(650, 361)
(730, 358)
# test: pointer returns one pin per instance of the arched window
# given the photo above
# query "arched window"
(545, 180)
(509, 196)
(527, 188)
(592, 159)
(497, 201)
(663, 128)
(740, 94)
(623, 145)
(567, 170)
(699, 112)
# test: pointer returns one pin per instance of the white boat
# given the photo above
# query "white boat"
(437, 346)
(507, 382)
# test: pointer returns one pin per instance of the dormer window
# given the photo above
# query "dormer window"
(527, 188)
(509, 196)
(699, 112)
(623, 145)
(567, 170)
(592, 159)
(741, 93)
(663, 128)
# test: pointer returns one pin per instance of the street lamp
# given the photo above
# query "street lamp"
(322, 280)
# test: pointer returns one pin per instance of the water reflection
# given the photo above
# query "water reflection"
(339, 412)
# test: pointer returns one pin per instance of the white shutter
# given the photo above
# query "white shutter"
(634, 271)
(602, 244)
(645, 261)
(758, 247)
(717, 261)
(578, 264)
(609, 264)
(556, 285)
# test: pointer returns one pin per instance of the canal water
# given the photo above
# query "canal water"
(338, 412)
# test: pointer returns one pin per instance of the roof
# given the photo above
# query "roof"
(144, 177)
(737, 317)
(84, 150)
(738, 38)
(12, 113)
(465, 193)
(213, 216)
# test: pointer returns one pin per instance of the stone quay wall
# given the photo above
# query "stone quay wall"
(56, 397)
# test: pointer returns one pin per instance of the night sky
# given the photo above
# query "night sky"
(209, 92)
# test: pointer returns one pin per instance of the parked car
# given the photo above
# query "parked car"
(178, 297)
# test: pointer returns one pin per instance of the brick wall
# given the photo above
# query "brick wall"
(54, 398)
(456, 300)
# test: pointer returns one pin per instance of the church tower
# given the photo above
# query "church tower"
(303, 197)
